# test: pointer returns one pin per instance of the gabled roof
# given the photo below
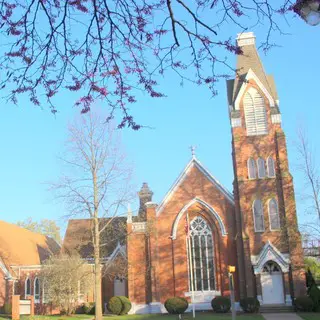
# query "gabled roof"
(194, 162)
(19, 246)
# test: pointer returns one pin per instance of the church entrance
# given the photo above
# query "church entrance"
(272, 284)
(119, 287)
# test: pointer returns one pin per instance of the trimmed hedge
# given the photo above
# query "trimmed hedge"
(89, 308)
(176, 305)
(304, 304)
(119, 305)
(250, 305)
(221, 304)
(314, 294)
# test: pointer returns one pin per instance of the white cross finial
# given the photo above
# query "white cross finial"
(193, 151)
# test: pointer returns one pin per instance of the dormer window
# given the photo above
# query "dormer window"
(255, 113)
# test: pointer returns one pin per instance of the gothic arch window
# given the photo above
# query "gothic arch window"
(270, 167)
(36, 290)
(27, 287)
(274, 214)
(202, 256)
(252, 173)
(271, 267)
(261, 168)
(258, 217)
(255, 113)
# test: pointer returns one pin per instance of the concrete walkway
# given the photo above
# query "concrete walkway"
(281, 316)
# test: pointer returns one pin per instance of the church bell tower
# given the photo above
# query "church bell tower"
(268, 240)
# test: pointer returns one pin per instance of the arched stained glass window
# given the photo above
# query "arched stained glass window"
(27, 287)
(202, 256)
(36, 291)
(274, 215)
(252, 172)
(258, 217)
(270, 167)
(255, 113)
(261, 168)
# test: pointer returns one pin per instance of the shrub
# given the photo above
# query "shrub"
(119, 305)
(126, 305)
(314, 294)
(221, 304)
(176, 305)
(250, 305)
(304, 304)
(7, 308)
(89, 308)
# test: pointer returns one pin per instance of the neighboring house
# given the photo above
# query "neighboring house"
(254, 228)
(21, 255)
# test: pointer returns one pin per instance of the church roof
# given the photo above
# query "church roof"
(194, 162)
(249, 60)
(21, 247)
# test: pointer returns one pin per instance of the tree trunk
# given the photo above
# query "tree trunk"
(97, 271)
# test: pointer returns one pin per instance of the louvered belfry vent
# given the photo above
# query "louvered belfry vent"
(255, 113)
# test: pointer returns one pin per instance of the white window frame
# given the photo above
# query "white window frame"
(25, 287)
(254, 216)
(270, 224)
(264, 168)
(254, 167)
(36, 300)
(268, 168)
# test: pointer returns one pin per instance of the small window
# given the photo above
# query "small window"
(258, 216)
(261, 168)
(36, 291)
(270, 168)
(27, 287)
(274, 215)
(252, 173)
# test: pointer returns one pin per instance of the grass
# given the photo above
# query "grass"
(188, 316)
(310, 316)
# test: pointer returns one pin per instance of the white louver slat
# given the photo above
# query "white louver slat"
(255, 113)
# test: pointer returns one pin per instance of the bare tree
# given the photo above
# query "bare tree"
(64, 278)
(114, 49)
(96, 183)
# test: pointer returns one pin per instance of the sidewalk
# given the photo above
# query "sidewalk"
(281, 316)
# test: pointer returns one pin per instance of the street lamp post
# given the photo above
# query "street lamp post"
(308, 10)
(232, 269)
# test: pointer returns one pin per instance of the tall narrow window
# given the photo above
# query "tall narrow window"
(258, 216)
(202, 256)
(270, 167)
(252, 173)
(274, 215)
(27, 287)
(261, 168)
(36, 291)
(255, 113)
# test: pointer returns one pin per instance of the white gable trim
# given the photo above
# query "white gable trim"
(206, 205)
(5, 270)
(193, 162)
(251, 75)
(118, 250)
(270, 252)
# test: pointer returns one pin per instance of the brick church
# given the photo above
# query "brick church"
(254, 228)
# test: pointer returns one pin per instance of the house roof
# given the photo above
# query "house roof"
(194, 162)
(78, 237)
(20, 247)
(249, 60)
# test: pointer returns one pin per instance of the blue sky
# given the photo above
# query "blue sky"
(31, 138)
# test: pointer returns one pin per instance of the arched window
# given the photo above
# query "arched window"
(36, 290)
(274, 215)
(27, 287)
(271, 267)
(202, 256)
(255, 113)
(261, 168)
(258, 217)
(270, 167)
(252, 173)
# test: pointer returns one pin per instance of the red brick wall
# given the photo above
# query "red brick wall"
(2, 289)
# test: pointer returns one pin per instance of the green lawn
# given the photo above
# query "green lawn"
(310, 316)
(187, 316)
